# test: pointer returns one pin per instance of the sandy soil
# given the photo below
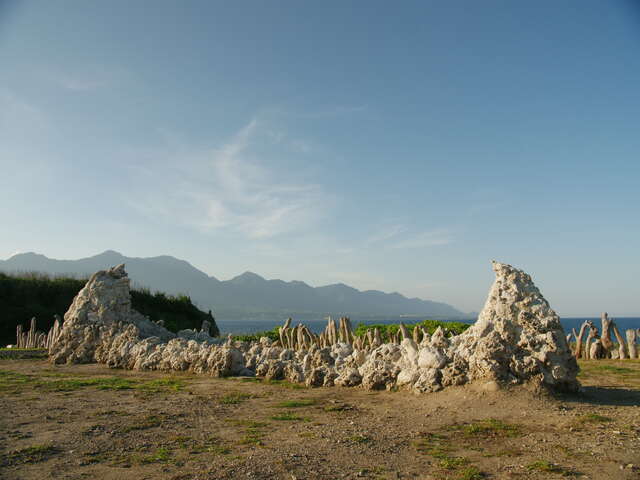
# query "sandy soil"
(87, 422)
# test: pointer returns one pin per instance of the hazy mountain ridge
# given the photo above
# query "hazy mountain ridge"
(248, 292)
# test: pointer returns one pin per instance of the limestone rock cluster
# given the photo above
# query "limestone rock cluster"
(33, 338)
(602, 346)
(517, 338)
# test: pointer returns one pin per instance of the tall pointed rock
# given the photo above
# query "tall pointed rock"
(517, 338)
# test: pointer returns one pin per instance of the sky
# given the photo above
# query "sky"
(398, 146)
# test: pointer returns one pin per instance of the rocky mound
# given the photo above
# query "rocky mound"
(517, 338)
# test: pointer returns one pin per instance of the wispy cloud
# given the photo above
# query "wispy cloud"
(90, 79)
(430, 238)
(235, 188)
(400, 236)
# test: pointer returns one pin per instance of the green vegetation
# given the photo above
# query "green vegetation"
(592, 418)
(296, 403)
(254, 337)
(488, 427)
(42, 296)
(253, 433)
(434, 445)
(59, 382)
(470, 473)
(362, 439)
(150, 421)
(234, 398)
(289, 417)
(32, 454)
(451, 463)
(453, 328)
(548, 467)
(162, 455)
(614, 369)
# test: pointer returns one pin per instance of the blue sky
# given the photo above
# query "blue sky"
(395, 146)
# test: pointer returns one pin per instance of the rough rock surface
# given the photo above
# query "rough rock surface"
(518, 338)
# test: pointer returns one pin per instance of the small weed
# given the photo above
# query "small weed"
(162, 385)
(548, 467)
(234, 398)
(150, 421)
(296, 403)
(507, 452)
(338, 408)
(287, 416)
(434, 445)
(247, 379)
(252, 437)
(209, 445)
(592, 418)
(470, 473)
(452, 463)
(162, 455)
(286, 384)
(613, 369)
(488, 427)
(32, 454)
(12, 381)
(362, 439)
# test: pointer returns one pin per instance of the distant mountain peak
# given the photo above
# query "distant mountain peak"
(247, 277)
(109, 253)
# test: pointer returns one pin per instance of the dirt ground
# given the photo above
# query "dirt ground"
(90, 422)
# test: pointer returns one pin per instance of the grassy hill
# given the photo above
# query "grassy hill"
(37, 295)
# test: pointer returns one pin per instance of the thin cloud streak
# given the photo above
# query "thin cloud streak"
(399, 236)
(233, 189)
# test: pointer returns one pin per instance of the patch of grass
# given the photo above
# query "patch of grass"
(162, 455)
(452, 463)
(12, 381)
(68, 382)
(592, 418)
(433, 444)
(338, 408)
(506, 452)
(162, 385)
(246, 379)
(548, 467)
(208, 445)
(286, 384)
(32, 454)
(234, 398)
(488, 427)
(362, 439)
(290, 417)
(614, 369)
(253, 434)
(150, 421)
(471, 473)
(296, 403)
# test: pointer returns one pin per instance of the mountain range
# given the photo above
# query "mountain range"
(247, 294)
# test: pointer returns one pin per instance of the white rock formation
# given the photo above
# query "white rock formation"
(518, 338)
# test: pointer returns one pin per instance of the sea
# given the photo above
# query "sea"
(252, 325)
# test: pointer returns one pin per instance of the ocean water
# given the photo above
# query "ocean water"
(316, 325)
